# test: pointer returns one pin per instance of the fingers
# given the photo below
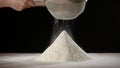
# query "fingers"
(40, 3)
(19, 5)
(30, 3)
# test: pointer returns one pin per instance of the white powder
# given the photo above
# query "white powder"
(63, 49)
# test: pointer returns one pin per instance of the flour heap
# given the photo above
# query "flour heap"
(63, 49)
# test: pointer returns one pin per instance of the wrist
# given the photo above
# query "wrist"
(2, 3)
(7, 3)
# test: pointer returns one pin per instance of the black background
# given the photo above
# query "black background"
(96, 30)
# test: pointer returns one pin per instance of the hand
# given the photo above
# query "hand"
(19, 5)
(40, 3)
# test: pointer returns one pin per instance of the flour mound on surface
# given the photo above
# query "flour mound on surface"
(63, 49)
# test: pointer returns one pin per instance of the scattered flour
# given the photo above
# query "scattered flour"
(63, 49)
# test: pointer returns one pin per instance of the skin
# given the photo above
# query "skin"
(19, 5)
(76, 1)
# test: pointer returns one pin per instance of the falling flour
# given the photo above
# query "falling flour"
(63, 49)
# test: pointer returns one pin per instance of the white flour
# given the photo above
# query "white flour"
(63, 49)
